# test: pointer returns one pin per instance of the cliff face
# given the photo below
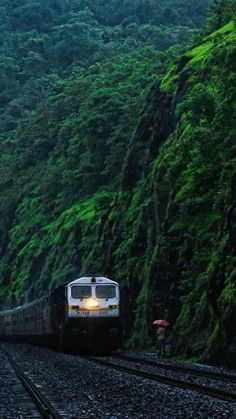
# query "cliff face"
(175, 254)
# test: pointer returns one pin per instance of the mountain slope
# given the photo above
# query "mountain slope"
(180, 221)
(158, 213)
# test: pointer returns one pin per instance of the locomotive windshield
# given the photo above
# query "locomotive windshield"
(81, 291)
(105, 291)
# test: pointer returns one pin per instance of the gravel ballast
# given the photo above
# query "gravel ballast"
(89, 390)
(15, 402)
(220, 384)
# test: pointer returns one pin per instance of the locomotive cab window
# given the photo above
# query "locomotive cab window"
(105, 291)
(81, 291)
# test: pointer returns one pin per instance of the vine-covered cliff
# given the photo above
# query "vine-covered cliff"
(180, 221)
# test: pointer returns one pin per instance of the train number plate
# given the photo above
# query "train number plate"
(83, 313)
(103, 312)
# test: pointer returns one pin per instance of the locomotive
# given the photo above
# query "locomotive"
(82, 315)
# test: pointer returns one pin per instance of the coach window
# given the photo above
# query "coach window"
(81, 291)
(105, 291)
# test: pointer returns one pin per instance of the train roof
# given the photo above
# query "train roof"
(92, 279)
(23, 306)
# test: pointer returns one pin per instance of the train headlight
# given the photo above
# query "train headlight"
(92, 303)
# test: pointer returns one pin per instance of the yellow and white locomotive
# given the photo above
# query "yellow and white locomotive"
(83, 315)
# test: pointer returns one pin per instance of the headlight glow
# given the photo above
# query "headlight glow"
(92, 303)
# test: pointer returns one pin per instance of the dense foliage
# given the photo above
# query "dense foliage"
(43, 41)
(72, 146)
(185, 202)
(105, 167)
(74, 78)
(222, 11)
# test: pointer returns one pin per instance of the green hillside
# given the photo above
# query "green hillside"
(74, 79)
(124, 166)
(43, 43)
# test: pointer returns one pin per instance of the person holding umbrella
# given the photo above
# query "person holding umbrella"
(161, 336)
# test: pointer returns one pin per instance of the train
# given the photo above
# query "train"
(83, 315)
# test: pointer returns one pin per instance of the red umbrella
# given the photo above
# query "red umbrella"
(163, 323)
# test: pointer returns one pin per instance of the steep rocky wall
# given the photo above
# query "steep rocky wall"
(175, 251)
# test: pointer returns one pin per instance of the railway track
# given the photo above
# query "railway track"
(206, 389)
(39, 405)
(181, 368)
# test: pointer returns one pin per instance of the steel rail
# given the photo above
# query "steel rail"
(44, 406)
(179, 368)
(200, 388)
